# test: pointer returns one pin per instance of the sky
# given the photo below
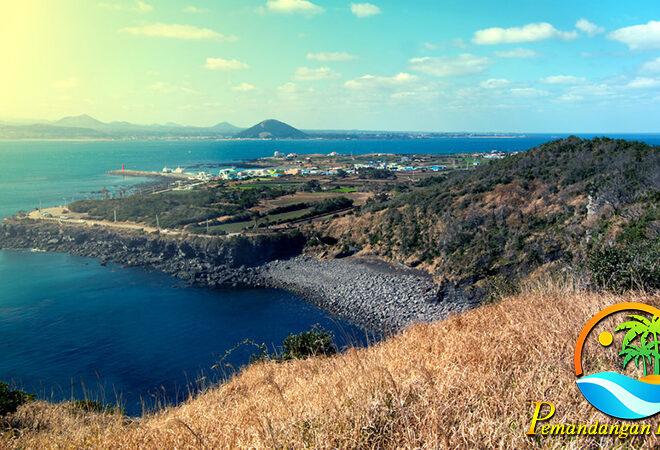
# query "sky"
(454, 65)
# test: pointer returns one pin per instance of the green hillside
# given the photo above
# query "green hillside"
(589, 205)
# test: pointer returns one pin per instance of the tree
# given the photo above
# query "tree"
(642, 327)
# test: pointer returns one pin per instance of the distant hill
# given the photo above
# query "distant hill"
(225, 127)
(82, 121)
(271, 129)
(45, 131)
(85, 126)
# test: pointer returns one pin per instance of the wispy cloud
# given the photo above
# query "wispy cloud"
(69, 83)
(371, 81)
(243, 87)
(590, 29)
(495, 83)
(528, 92)
(449, 66)
(168, 88)
(520, 53)
(177, 31)
(304, 7)
(652, 66)
(322, 73)
(362, 10)
(639, 37)
(224, 64)
(331, 56)
(137, 7)
(563, 79)
(644, 83)
(528, 33)
(194, 10)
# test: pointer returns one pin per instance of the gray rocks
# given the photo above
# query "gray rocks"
(374, 300)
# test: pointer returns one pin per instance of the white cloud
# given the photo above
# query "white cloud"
(522, 53)
(449, 66)
(177, 32)
(531, 32)
(639, 37)
(224, 64)
(331, 56)
(403, 87)
(322, 73)
(293, 93)
(371, 81)
(243, 87)
(362, 10)
(138, 7)
(528, 92)
(69, 83)
(563, 79)
(652, 66)
(570, 98)
(494, 83)
(643, 83)
(429, 46)
(294, 6)
(194, 10)
(591, 29)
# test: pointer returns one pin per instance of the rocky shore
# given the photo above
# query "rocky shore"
(374, 298)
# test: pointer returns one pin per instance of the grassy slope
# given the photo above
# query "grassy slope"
(551, 204)
(465, 382)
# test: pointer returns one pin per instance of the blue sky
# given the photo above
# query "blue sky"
(420, 65)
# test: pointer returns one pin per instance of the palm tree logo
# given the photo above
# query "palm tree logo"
(645, 350)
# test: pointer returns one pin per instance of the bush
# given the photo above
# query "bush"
(95, 406)
(308, 343)
(619, 269)
(10, 400)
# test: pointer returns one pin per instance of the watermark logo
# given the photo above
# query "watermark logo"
(614, 393)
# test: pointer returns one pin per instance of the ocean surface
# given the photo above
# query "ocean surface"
(70, 328)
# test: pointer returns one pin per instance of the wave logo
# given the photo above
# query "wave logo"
(613, 393)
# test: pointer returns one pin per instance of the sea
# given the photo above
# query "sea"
(72, 329)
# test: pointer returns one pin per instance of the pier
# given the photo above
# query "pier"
(139, 173)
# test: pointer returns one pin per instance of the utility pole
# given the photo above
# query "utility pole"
(115, 211)
(207, 226)
(39, 205)
(157, 223)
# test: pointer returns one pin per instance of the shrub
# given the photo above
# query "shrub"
(10, 399)
(95, 406)
(619, 269)
(308, 343)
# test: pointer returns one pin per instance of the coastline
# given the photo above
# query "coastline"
(372, 295)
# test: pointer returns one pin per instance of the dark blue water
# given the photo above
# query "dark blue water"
(70, 328)
(67, 322)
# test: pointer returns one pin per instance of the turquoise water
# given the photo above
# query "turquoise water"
(67, 322)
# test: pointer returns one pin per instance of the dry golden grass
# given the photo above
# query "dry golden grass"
(467, 382)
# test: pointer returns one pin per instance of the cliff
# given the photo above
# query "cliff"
(209, 262)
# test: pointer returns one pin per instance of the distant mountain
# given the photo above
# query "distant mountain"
(85, 126)
(271, 129)
(82, 121)
(45, 131)
(225, 127)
